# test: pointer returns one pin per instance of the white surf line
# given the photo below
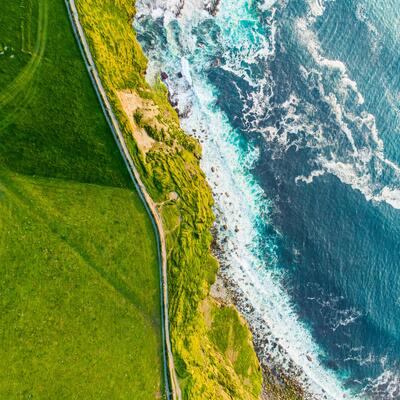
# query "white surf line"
(170, 376)
(240, 204)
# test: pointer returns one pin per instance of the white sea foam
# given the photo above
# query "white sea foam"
(390, 196)
(241, 206)
(348, 174)
(346, 317)
(354, 167)
(385, 386)
(185, 68)
(309, 179)
(317, 7)
(267, 4)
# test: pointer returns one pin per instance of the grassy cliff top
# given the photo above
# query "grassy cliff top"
(212, 346)
(79, 304)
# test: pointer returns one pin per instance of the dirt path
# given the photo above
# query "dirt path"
(171, 380)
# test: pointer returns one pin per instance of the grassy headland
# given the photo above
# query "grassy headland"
(212, 347)
(79, 293)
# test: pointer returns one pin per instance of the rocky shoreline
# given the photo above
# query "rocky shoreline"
(277, 382)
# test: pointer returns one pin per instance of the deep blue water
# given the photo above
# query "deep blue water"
(321, 105)
(349, 248)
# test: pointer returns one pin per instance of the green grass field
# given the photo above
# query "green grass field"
(79, 287)
(212, 347)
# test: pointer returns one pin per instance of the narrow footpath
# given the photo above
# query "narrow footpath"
(171, 380)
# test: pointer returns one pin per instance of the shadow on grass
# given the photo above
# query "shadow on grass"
(33, 207)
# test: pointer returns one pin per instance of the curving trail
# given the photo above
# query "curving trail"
(22, 89)
(23, 79)
(171, 380)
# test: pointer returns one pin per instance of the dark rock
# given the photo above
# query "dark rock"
(216, 63)
(179, 8)
(164, 76)
(183, 113)
(212, 7)
(179, 75)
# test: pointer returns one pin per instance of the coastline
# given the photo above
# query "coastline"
(187, 56)
(207, 364)
(277, 384)
(168, 161)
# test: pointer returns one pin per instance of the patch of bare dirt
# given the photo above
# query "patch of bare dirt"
(131, 102)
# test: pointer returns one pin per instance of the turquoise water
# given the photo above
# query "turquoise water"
(296, 104)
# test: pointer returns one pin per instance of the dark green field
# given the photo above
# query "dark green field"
(79, 287)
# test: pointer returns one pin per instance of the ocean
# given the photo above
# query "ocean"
(297, 106)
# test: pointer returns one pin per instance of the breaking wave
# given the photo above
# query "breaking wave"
(202, 45)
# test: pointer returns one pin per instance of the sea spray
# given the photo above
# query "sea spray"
(241, 206)
(253, 82)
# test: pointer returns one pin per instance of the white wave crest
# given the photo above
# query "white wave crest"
(385, 386)
(348, 174)
(241, 206)
(309, 179)
(354, 167)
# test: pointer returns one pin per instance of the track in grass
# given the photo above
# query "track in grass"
(80, 297)
(23, 79)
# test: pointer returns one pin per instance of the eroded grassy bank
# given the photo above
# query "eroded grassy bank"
(212, 347)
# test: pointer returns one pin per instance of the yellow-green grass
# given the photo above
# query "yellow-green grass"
(79, 297)
(79, 286)
(205, 368)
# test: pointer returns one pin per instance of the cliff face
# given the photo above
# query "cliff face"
(212, 346)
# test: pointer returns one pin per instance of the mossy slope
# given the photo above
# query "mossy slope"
(204, 362)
